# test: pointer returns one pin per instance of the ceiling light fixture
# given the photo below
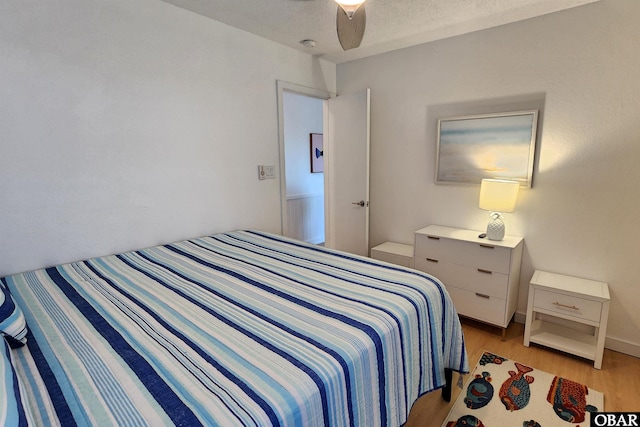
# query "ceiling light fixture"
(350, 6)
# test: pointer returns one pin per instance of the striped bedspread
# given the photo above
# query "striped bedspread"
(237, 329)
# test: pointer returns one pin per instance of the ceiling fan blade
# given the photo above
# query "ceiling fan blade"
(351, 31)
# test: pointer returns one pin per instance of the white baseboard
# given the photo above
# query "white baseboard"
(622, 346)
(612, 343)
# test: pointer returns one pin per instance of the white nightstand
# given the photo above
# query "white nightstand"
(395, 253)
(569, 314)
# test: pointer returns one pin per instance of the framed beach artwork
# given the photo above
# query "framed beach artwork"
(316, 152)
(501, 146)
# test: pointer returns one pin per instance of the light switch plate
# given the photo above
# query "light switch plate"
(266, 172)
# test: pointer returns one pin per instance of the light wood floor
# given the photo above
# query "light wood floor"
(618, 380)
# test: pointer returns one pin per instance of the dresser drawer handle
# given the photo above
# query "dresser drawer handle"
(485, 271)
(482, 295)
(487, 246)
(433, 237)
(572, 307)
(431, 260)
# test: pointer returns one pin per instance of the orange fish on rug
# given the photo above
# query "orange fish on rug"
(569, 400)
(515, 392)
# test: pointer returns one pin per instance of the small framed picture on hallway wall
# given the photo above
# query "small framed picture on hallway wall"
(316, 152)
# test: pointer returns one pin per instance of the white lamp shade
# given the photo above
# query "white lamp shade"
(498, 195)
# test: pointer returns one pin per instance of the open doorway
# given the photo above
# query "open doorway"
(304, 173)
(346, 129)
(301, 112)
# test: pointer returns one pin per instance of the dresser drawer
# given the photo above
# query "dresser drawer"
(467, 303)
(392, 258)
(464, 277)
(480, 255)
(567, 305)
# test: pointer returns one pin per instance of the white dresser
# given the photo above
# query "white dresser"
(482, 276)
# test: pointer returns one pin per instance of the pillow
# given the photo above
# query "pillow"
(13, 408)
(12, 323)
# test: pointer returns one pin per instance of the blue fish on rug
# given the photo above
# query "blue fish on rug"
(515, 392)
(569, 400)
(531, 423)
(491, 358)
(479, 391)
(466, 421)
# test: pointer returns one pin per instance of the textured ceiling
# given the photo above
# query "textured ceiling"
(391, 24)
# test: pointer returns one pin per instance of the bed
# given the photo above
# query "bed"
(242, 328)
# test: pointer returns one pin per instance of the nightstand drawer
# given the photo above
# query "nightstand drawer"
(468, 278)
(481, 255)
(393, 259)
(395, 253)
(478, 306)
(567, 305)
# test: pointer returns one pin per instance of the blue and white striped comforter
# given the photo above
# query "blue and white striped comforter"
(241, 328)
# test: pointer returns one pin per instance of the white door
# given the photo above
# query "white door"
(346, 149)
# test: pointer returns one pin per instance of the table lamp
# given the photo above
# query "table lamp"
(498, 196)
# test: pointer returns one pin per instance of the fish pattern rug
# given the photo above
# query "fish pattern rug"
(501, 392)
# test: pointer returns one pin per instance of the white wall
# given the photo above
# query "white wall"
(125, 124)
(582, 216)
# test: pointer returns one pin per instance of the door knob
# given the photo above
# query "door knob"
(360, 203)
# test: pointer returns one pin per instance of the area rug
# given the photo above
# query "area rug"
(501, 392)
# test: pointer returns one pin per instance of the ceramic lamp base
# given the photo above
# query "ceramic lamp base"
(495, 228)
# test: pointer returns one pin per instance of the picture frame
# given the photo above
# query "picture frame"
(499, 146)
(316, 152)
